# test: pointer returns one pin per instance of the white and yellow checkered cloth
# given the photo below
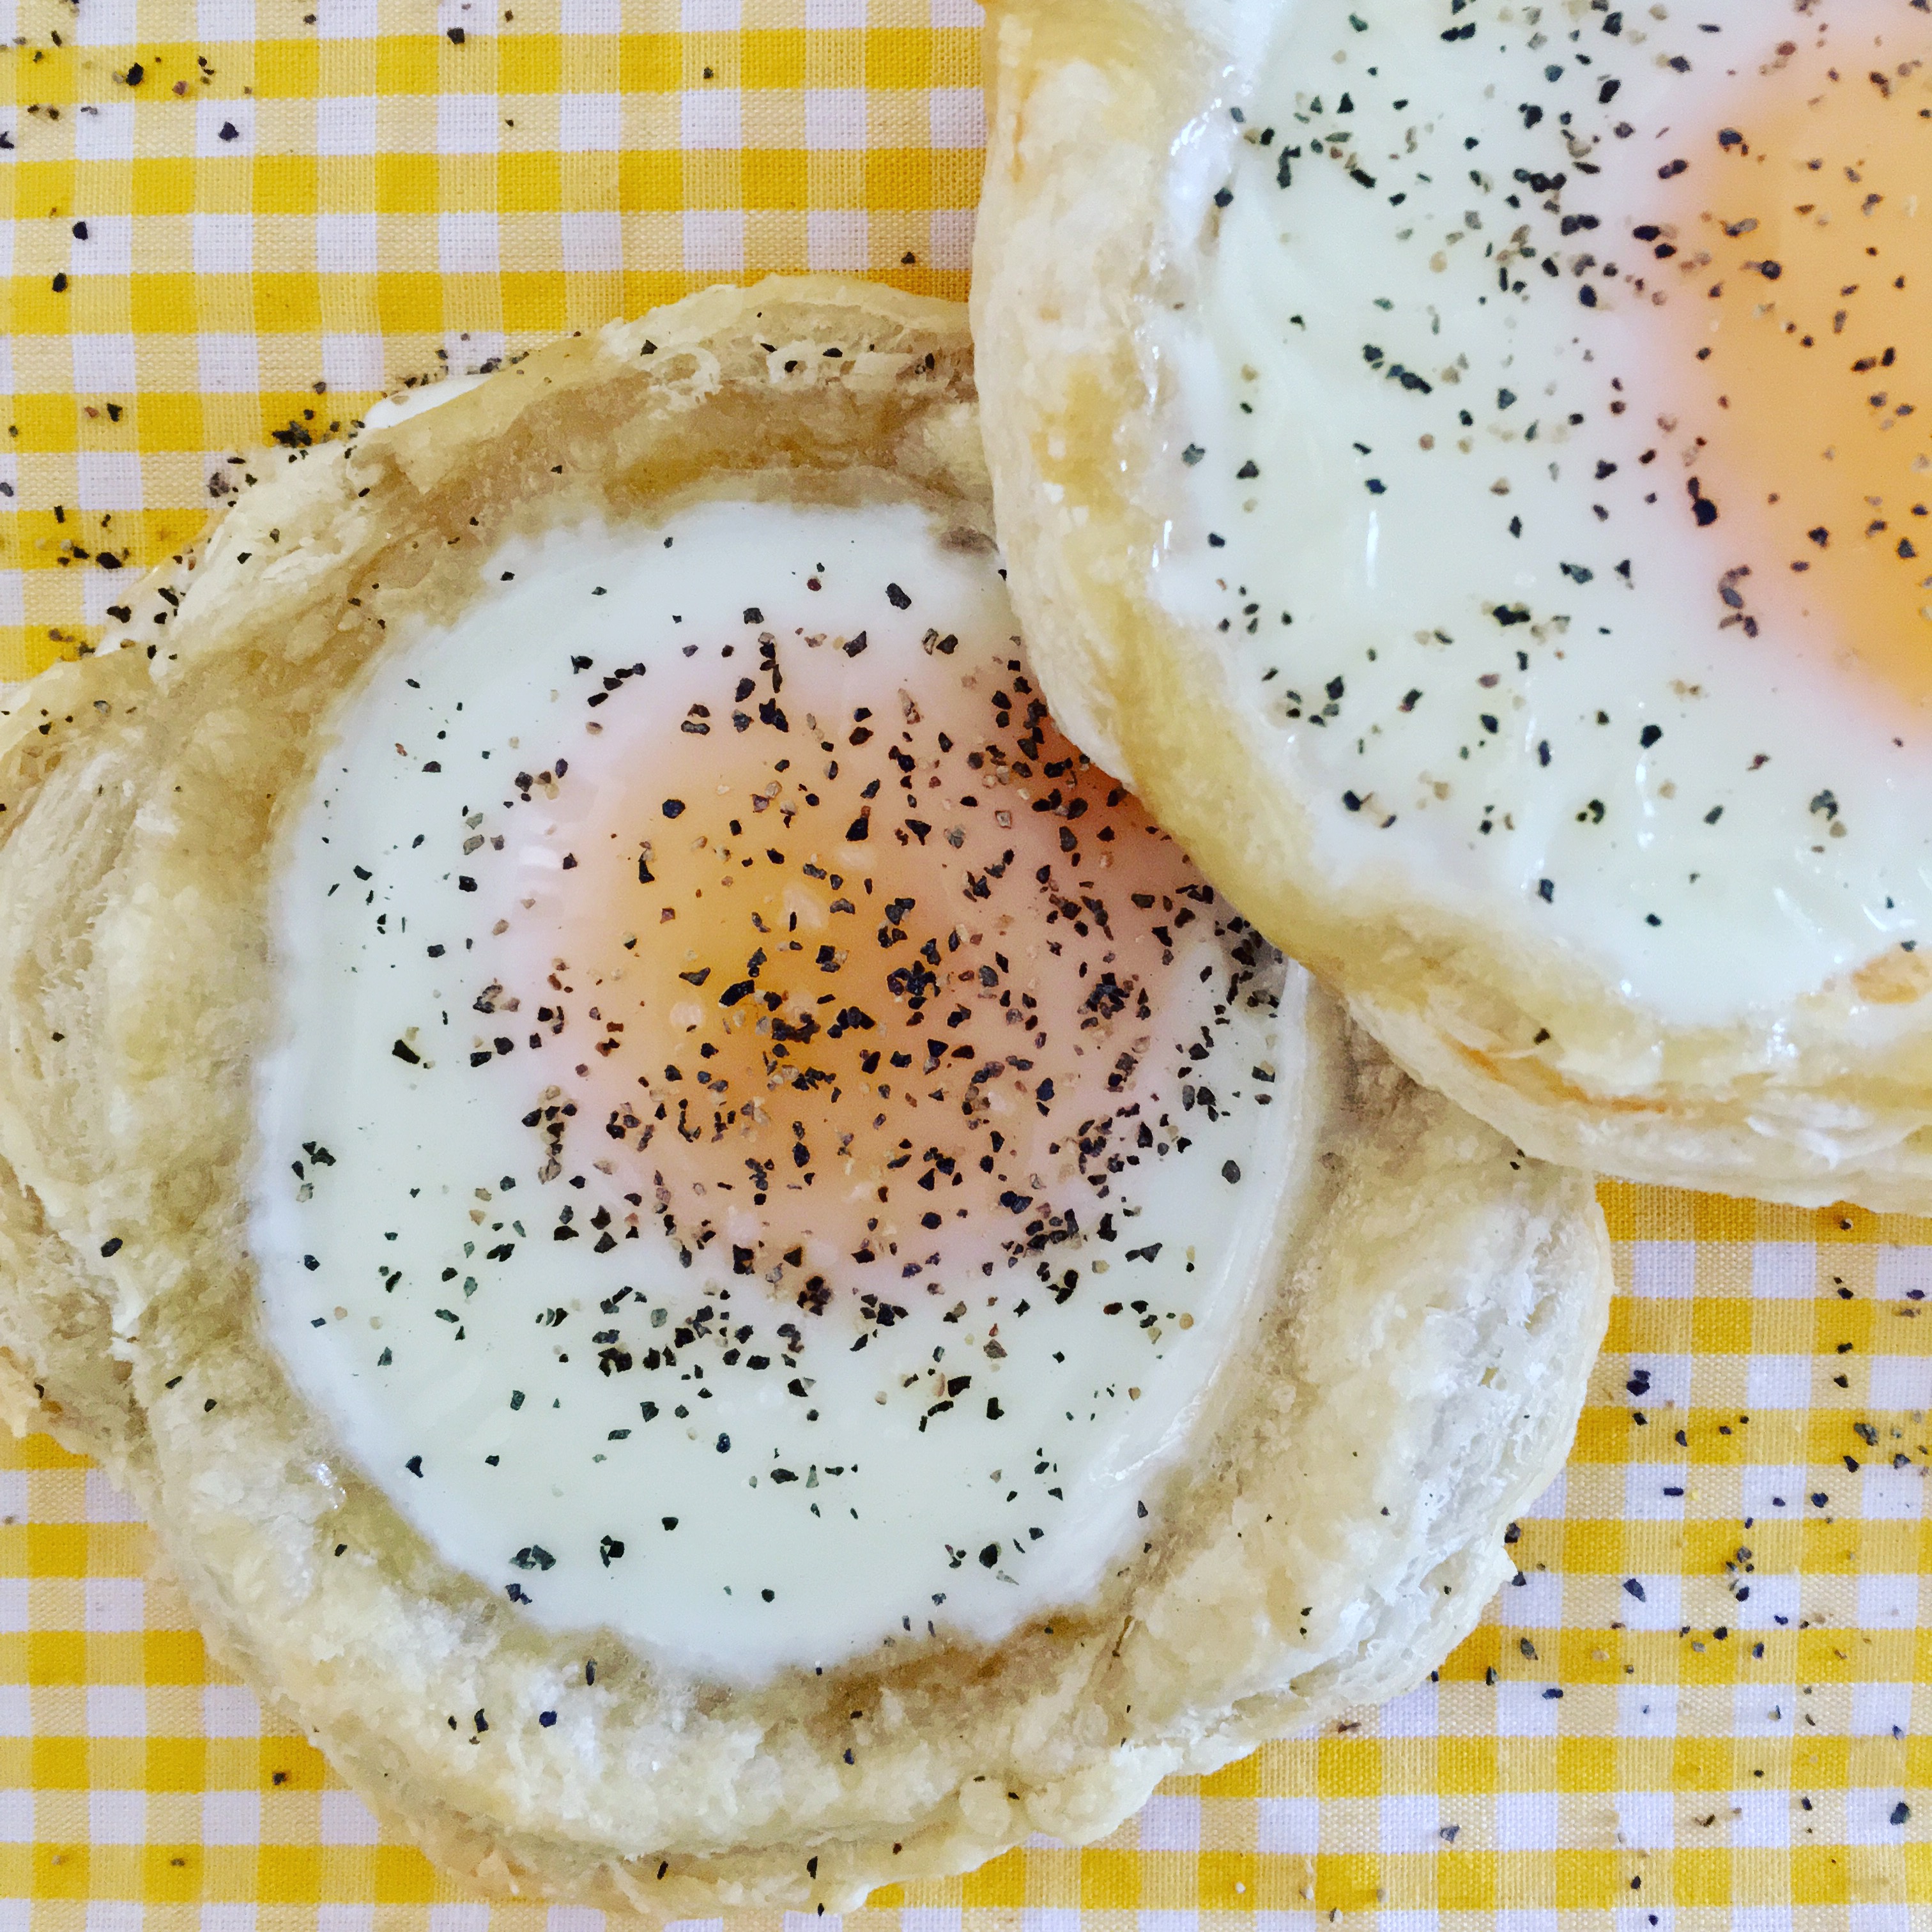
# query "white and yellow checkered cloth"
(1706, 1702)
(243, 217)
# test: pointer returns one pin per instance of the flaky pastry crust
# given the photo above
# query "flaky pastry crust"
(1830, 1100)
(1416, 1358)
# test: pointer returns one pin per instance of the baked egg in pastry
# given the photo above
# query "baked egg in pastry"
(1462, 463)
(716, 1265)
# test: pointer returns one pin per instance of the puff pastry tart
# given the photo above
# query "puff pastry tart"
(1455, 462)
(716, 1264)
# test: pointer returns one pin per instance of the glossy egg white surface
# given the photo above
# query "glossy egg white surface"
(1546, 449)
(766, 1148)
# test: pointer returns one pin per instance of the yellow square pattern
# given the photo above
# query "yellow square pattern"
(1706, 1700)
(227, 219)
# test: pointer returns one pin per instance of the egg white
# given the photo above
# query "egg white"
(1434, 493)
(797, 1501)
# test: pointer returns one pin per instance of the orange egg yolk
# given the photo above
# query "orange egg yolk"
(1799, 286)
(859, 982)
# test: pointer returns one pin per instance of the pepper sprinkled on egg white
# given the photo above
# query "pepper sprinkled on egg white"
(768, 1145)
(1543, 441)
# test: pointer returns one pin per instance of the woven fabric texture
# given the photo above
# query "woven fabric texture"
(246, 218)
(1707, 1700)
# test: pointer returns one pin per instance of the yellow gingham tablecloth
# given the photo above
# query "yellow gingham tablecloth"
(1706, 1701)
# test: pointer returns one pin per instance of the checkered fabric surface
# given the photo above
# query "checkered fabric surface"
(1706, 1701)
